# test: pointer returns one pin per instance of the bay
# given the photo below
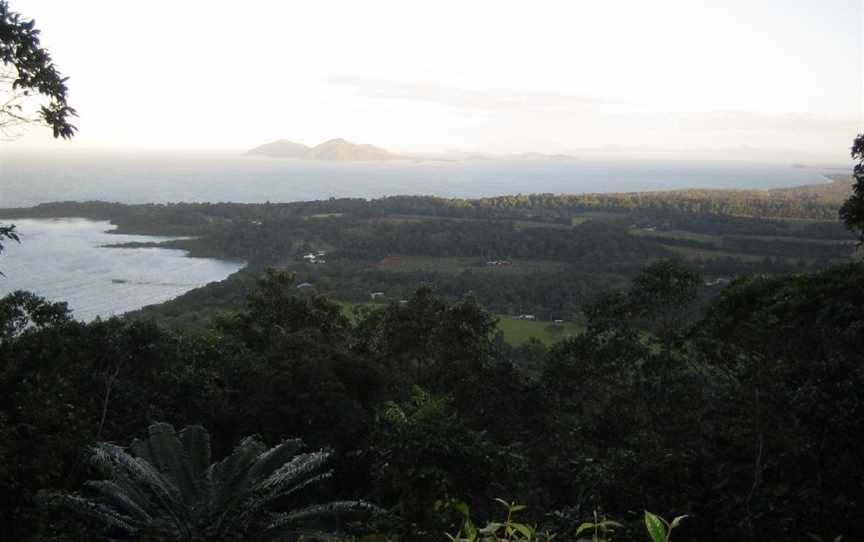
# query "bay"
(65, 260)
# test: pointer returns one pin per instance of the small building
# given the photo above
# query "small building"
(304, 285)
(376, 295)
(527, 317)
(309, 257)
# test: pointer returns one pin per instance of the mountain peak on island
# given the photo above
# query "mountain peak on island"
(336, 150)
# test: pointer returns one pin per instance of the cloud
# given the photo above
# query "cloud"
(497, 101)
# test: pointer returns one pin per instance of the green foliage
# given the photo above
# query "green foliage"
(425, 453)
(276, 312)
(601, 528)
(508, 530)
(658, 528)
(166, 488)
(852, 211)
(35, 72)
(20, 311)
(8, 232)
(744, 414)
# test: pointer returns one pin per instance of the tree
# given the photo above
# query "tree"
(20, 311)
(7, 232)
(165, 488)
(852, 211)
(28, 70)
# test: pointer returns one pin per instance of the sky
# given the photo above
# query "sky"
(665, 76)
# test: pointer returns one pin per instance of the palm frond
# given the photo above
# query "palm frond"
(89, 509)
(318, 511)
(165, 488)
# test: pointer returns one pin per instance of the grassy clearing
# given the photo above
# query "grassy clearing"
(524, 224)
(406, 264)
(691, 253)
(519, 224)
(324, 215)
(581, 218)
(678, 234)
(718, 239)
(518, 332)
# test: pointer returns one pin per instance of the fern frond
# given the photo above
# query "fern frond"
(317, 511)
(121, 499)
(196, 445)
(87, 508)
(269, 461)
(164, 450)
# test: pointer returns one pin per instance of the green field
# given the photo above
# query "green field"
(581, 218)
(518, 223)
(692, 253)
(407, 264)
(523, 224)
(518, 332)
(678, 234)
(718, 239)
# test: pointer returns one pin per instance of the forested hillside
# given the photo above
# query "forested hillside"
(541, 255)
(736, 403)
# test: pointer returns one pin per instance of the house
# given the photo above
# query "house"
(376, 295)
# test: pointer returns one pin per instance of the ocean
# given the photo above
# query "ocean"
(29, 179)
(64, 260)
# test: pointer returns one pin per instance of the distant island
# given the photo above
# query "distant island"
(342, 150)
(334, 150)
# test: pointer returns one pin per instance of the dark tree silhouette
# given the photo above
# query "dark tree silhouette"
(852, 211)
(29, 70)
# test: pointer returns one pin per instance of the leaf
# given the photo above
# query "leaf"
(491, 527)
(584, 527)
(470, 529)
(461, 507)
(523, 529)
(676, 522)
(655, 526)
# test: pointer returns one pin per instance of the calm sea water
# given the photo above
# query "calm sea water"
(28, 179)
(63, 260)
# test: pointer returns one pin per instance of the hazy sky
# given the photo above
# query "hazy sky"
(495, 76)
